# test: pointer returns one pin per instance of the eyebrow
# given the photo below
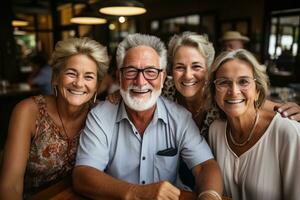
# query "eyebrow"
(74, 70)
(147, 66)
(201, 63)
(193, 63)
(70, 69)
(224, 77)
(90, 73)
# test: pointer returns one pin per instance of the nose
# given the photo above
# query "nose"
(79, 81)
(234, 88)
(140, 79)
(188, 73)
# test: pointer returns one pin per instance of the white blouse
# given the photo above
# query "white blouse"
(269, 170)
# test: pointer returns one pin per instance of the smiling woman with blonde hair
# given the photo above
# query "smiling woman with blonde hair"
(190, 58)
(44, 130)
(258, 151)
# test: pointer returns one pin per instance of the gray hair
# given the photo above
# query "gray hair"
(200, 42)
(75, 46)
(137, 39)
(259, 74)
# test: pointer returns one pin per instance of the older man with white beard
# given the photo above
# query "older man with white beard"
(131, 150)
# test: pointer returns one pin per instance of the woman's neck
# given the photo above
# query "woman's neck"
(69, 111)
(194, 104)
(242, 124)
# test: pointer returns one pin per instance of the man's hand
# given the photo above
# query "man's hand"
(159, 191)
(290, 110)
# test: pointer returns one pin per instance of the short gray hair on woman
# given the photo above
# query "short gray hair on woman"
(79, 46)
(259, 73)
(200, 42)
(137, 39)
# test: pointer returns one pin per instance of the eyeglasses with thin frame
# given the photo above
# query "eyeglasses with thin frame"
(243, 83)
(149, 73)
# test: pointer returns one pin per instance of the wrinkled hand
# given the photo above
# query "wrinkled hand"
(114, 98)
(156, 191)
(290, 110)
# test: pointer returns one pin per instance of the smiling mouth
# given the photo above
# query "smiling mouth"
(76, 92)
(140, 91)
(237, 101)
(188, 84)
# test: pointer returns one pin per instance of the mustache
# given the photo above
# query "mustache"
(140, 88)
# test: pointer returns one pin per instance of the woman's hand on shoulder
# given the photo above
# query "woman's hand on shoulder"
(114, 97)
(289, 109)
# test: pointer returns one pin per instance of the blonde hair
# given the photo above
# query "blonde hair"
(200, 42)
(259, 73)
(74, 46)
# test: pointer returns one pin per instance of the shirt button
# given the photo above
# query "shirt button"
(143, 182)
(136, 132)
(144, 158)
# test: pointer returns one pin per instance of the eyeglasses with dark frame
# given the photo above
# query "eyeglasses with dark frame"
(149, 73)
(243, 83)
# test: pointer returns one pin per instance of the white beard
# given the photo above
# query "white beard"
(140, 104)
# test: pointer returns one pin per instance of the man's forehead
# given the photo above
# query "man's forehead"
(141, 48)
(142, 54)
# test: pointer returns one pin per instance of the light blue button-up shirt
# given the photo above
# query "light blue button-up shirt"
(111, 143)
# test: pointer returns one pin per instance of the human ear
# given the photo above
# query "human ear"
(164, 75)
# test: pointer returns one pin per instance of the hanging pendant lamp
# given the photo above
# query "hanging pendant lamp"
(88, 16)
(17, 22)
(122, 7)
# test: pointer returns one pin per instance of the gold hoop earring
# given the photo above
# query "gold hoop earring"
(95, 98)
(55, 90)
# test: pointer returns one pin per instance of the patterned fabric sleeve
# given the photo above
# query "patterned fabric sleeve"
(169, 90)
(211, 115)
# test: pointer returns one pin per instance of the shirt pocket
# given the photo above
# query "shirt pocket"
(165, 168)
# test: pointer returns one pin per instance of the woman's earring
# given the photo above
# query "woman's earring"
(55, 90)
(95, 98)
(256, 104)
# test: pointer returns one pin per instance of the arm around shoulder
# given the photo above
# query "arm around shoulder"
(21, 127)
(290, 110)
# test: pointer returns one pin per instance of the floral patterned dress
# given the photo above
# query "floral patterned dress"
(51, 155)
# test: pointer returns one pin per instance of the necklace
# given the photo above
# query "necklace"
(62, 123)
(250, 135)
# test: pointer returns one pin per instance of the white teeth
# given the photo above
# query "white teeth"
(140, 91)
(234, 101)
(76, 92)
(188, 83)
